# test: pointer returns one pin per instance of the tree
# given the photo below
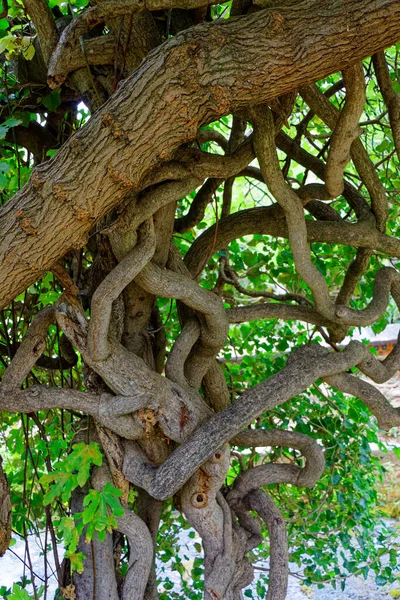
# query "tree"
(143, 358)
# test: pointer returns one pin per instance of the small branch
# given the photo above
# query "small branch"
(269, 221)
(4, 12)
(353, 275)
(5, 512)
(386, 415)
(392, 100)
(31, 348)
(365, 168)
(346, 129)
(174, 368)
(204, 164)
(198, 206)
(231, 277)
(312, 163)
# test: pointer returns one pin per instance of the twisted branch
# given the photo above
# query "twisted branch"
(346, 129)
(269, 221)
(264, 145)
(246, 496)
(112, 286)
(208, 306)
(300, 372)
(365, 168)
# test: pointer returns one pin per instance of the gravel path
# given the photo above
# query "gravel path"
(11, 570)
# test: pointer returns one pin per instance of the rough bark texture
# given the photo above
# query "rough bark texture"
(5, 512)
(216, 69)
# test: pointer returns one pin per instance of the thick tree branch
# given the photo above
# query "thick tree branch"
(275, 310)
(245, 495)
(386, 415)
(140, 544)
(114, 412)
(73, 189)
(175, 365)
(346, 130)
(266, 474)
(300, 372)
(269, 221)
(261, 503)
(45, 25)
(213, 523)
(125, 373)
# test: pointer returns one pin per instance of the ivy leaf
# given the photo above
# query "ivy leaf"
(18, 593)
(74, 471)
(76, 559)
(92, 503)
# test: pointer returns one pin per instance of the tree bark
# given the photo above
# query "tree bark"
(193, 79)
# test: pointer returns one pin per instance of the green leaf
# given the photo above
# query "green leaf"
(11, 122)
(74, 471)
(5, 167)
(335, 479)
(18, 593)
(3, 181)
(8, 124)
(93, 505)
(52, 101)
(29, 52)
